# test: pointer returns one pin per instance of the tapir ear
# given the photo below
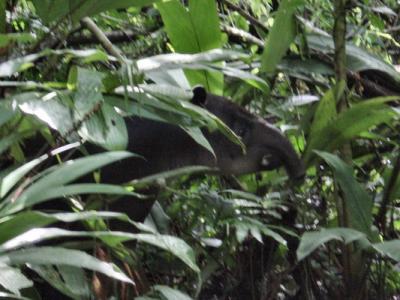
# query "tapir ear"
(199, 95)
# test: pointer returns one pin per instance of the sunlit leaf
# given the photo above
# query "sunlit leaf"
(194, 33)
(13, 280)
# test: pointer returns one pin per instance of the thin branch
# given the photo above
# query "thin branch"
(116, 36)
(243, 35)
(253, 21)
(102, 38)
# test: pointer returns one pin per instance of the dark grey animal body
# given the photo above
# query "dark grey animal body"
(166, 147)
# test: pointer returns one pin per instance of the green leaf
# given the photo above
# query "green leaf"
(170, 293)
(13, 280)
(8, 141)
(357, 59)
(51, 10)
(80, 189)
(194, 33)
(5, 115)
(12, 66)
(153, 179)
(106, 128)
(326, 111)
(12, 296)
(173, 245)
(246, 225)
(19, 64)
(162, 69)
(358, 202)
(86, 55)
(389, 248)
(350, 123)
(172, 61)
(280, 36)
(3, 16)
(312, 240)
(70, 281)
(200, 139)
(61, 175)
(14, 225)
(7, 39)
(306, 68)
(88, 95)
(61, 256)
(49, 108)
(11, 179)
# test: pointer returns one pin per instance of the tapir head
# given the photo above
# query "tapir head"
(266, 147)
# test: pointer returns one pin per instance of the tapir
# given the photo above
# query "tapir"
(166, 147)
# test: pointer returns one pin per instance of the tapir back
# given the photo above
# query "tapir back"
(164, 147)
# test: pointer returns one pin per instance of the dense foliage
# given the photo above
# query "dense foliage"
(324, 72)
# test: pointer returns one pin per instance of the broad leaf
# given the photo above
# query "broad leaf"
(106, 128)
(19, 64)
(389, 248)
(13, 280)
(193, 34)
(170, 61)
(198, 136)
(11, 179)
(357, 200)
(14, 225)
(326, 111)
(172, 244)
(12, 66)
(350, 123)
(50, 108)
(70, 281)
(61, 175)
(281, 35)
(312, 240)
(51, 10)
(357, 58)
(245, 226)
(5, 115)
(9, 38)
(170, 293)
(62, 256)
